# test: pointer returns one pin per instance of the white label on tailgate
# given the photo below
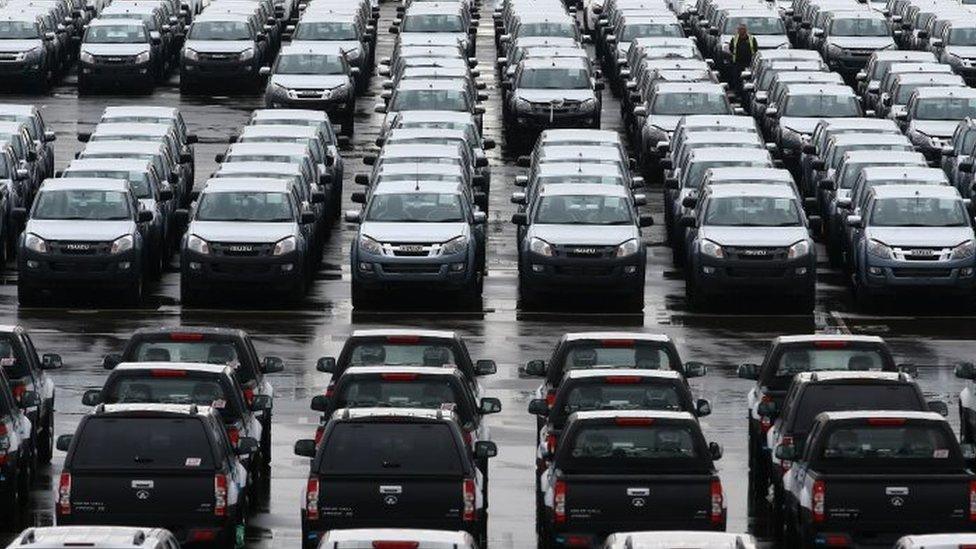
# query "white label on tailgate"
(193, 462)
(896, 490)
(143, 484)
(391, 489)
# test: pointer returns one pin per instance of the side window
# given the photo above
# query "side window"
(249, 349)
(31, 354)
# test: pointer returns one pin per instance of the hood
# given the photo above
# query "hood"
(80, 230)
(800, 124)
(230, 231)
(935, 128)
(413, 232)
(754, 236)
(968, 52)
(317, 81)
(462, 37)
(927, 237)
(664, 121)
(544, 96)
(764, 41)
(219, 46)
(583, 235)
(18, 45)
(861, 42)
(115, 49)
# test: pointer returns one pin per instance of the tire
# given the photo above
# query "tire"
(186, 87)
(807, 302)
(188, 296)
(266, 439)
(10, 520)
(693, 296)
(45, 442)
(133, 294)
(360, 298)
(635, 302)
(27, 296)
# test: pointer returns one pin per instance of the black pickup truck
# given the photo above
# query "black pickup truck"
(867, 478)
(617, 471)
(394, 468)
(162, 465)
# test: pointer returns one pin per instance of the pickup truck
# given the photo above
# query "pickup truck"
(28, 372)
(814, 392)
(155, 465)
(17, 464)
(405, 347)
(619, 471)
(618, 350)
(394, 468)
(213, 346)
(871, 477)
(791, 355)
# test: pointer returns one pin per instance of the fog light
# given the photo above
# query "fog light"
(124, 265)
(363, 266)
(457, 267)
(536, 268)
(966, 271)
(194, 266)
(801, 270)
(708, 270)
(874, 270)
(32, 264)
(630, 269)
(287, 268)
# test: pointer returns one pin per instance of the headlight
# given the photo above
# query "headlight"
(965, 250)
(800, 249)
(196, 244)
(285, 245)
(711, 249)
(29, 53)
(352, 54)
(790, 138)
(369, 245)
(834, 50)
(522, 104)
(247, 54)
(879, 249)
(628, 248)
(454, 246)
(86, 57)
(190, 54)
(143, 57)
(123, 244)
(35, 243)
(540, 247)
(276, 88)
(588, 104)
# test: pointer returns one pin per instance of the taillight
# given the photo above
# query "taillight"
(64, 494)
(330, 390)
(249, 395)
(830, 344)
(319, 431)
(403, 339)
(162, 372)
(551, 397)
(312, 498)
(467, 489)
(972, 500)
(466, 435)
(551, 441)
(784, 465)
(399, 376)
(234, 434)
(4, 443)
(886, 421)
(220, 495)
(818, 503)
(633, 421)
(717, 514)
(617, 343)
(765, 422)
(18, 391)
(622, 380)
(559, 501)
(184, 336)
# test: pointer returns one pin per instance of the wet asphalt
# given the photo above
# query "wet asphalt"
(929, 333)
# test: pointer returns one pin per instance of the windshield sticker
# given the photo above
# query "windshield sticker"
(8, 361)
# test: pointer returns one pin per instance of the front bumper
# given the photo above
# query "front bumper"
(545, 120)
(383, 272)
(110, 73)
(277, 273)
(298, 100)
(891, 276)
(791, 277)
(202, 530)
(27, 67)
(848, 64)
(57, 270)
(229, 68)
(611, 276)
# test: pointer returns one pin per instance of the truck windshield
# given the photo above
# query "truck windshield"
(426, 100)
(139, 181)
(962, 37)
(554, 79)
(651, 30)
(756, 25)
(433, 22)
(400, 390)
(550, 28)
(325, 31)
(918, 212)
(142, 443)
(196, 350)
(13, 362)
(859, 27)
(617, 394)
(829, 397)
(116, 34)
(651, 446)
(219, 30)
(82, 204)
(945, 108)
(170, 387)
(690, 103)
(259, 207)
(399, 449)
(584, 210)
(890, 442)
(402, 354)
(416, 208)
(795, 361)
(309, 64)
(752, 211)
(589, 355)
(821, 106)
(18, 30)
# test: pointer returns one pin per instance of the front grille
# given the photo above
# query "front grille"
(757, 254)
(575, 270)
(910, 272)
(410, 249)
(585, 252)
(750, 272)
(241, 249)
(9, 56)
(218, 56)
(87, 267)
(115, 59)
(70, 247)
(241, 268)
(411, 268)
(557, 108)
(922, 254)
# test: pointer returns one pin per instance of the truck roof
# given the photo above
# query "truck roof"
(419, 370)
(107, 537)
(868, 414)
(912, 191)
(605, 372)
(459, 538)
(393, 413)
(154, 408)
(842, 375)
(202, 367)
(394, 332)
(186, 330)
(650, 414)
(616, 336)
(85, 183)
(680, 538)
(813, 338)
(141, 110)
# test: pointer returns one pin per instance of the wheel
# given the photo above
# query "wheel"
(635, 301)
(27, 296)
(188, 296)
(360, 298)
(807, 302)
(45, 442)
(133, 294)
(693, 295)
(266, 438)
(185, 85)
(11, 519)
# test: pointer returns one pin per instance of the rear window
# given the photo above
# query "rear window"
(589, 355)
(402, 354)
(891, 442)
(168, 389)
(831, 398)
(618, 394)
(795, 361)
(632, 447)
(400, 390)
(13, 362)
(196, 351)
(394, 449)
(143, 443)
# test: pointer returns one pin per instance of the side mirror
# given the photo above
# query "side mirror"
(861, 76)
(521, 180)
(688, 222)
(306, 218)
(645, 220)
(84, 137)
(326, 365)
(909, 369)
(22, 173)
(968, 451)
(318, 197)
(767, 409)
(671, 183)
(785, 453)
(538, 407)
(166, 195)
(111, 361)
(854, 221)
(272, 364)
(264, 71)
(818, 164)
(640, 199)
(938, 407)
(219, 158)
(305, 448)
(809, 148)
(480, 218)
(359, 197)
(695, 369)
(965, 370)
(92, 397)
(703, 408)
(321, 403)
(902, 116)
(361, 179)
(523, 161)
(246, 446)
(261, 403)
(488, 144)
(827, 184)
(369, 159)
(844, 203)
(748, 371)
(715, 450)
(485, 367)
(966, 167)
(380, 108)
(535, 368)
(485, 449)
(690, 202)
(144, 216)
(64, 442)
(520, 218)
(772, 111)
(490, 405)
(51, 361)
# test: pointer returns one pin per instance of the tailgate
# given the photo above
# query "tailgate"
(141, 497)
(400, 501)
(872, 501)
(644, 501)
